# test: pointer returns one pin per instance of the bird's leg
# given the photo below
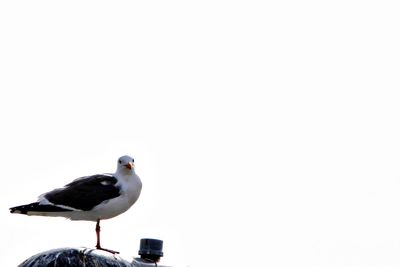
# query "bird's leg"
(98, 234)
(98, 246)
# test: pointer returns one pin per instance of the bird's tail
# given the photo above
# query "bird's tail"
(35, 207)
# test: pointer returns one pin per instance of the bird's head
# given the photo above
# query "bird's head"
(126, 164)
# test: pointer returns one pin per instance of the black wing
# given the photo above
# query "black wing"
(86, 192)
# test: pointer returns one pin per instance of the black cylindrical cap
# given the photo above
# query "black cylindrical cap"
(151, 247)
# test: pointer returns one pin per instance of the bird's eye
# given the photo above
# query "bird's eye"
(119, 161)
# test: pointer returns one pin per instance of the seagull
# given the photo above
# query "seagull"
(90, 198)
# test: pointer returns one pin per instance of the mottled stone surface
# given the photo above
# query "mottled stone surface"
(73, 257)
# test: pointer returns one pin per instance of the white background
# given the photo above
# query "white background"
(265, 132)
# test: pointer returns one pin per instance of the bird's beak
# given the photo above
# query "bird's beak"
(129, 165)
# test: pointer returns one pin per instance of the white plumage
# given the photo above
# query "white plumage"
(91, 198)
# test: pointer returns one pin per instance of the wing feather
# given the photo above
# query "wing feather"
(86, 192)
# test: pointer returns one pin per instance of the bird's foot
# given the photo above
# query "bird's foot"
(108, 250)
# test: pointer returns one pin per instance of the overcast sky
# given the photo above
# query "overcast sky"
(265, 132)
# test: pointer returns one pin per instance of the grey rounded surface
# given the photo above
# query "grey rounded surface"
(73, 257)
